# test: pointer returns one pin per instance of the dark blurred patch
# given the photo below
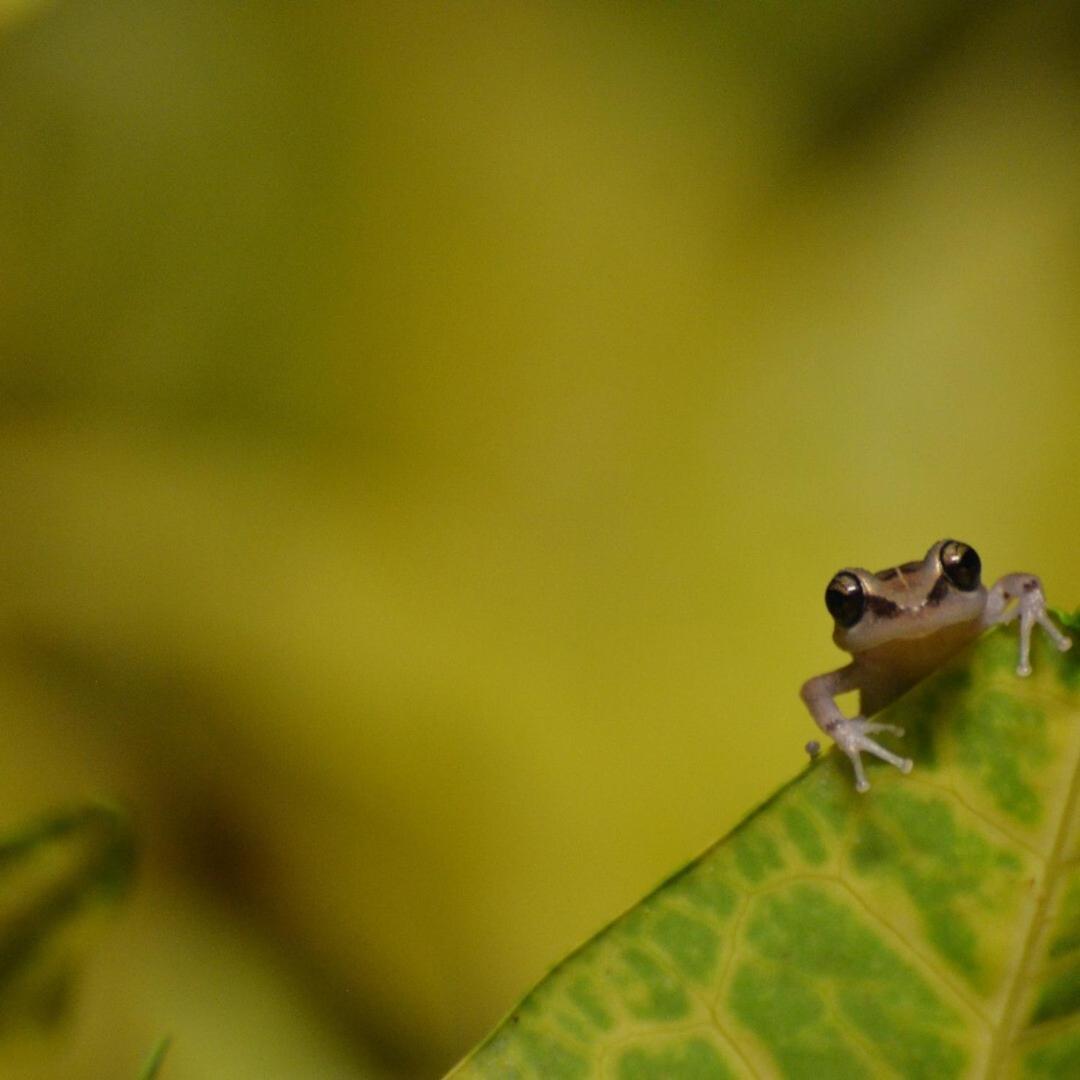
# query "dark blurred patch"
(174, 725)
(854, 70)
(217, 848)
(858, 102)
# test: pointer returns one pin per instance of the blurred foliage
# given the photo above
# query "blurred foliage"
(153, 1065)
(426, 432)
(53, 873)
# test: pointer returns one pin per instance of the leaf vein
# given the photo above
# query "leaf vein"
(1007, 1034)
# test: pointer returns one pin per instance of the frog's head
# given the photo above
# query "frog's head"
(906, 602)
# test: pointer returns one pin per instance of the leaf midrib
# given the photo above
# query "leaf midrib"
(1004, 1034)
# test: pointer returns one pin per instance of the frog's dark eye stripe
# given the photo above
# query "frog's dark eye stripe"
(939, 591)
(882, 607)
(845, 599)
(961, 565)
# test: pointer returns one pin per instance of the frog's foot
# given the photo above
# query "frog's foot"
(852, 737)
(1030, 608)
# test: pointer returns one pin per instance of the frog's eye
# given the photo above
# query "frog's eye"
(845, 599)
(961, 565)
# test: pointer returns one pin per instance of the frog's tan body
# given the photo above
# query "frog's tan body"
(902, 623)
(890, 669)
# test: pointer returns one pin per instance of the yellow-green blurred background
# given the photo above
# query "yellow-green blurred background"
(426, 431)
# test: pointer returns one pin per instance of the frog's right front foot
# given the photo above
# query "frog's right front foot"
(851, 735)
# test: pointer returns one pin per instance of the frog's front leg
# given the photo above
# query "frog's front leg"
(1020, 596)
(851, 734)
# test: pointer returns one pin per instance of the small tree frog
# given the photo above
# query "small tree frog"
(900, 624)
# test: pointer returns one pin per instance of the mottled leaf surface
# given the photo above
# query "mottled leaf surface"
(930, 928)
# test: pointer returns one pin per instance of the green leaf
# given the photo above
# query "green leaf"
(157, 1058)
(929, 928)
(54, 872)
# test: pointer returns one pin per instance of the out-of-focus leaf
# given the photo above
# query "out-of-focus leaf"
(930, 928)
(53, 872)
(155, 1060)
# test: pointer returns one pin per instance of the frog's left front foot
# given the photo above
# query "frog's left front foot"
(1030, 608)
(852, 737)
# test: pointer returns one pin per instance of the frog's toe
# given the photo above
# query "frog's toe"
(879, 751)
(852, 737)
(1062, 641)
(868, 726)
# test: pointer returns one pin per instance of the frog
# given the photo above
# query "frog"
(902, 623)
